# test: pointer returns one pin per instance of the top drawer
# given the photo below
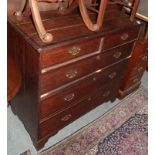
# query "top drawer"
(120, 38)
(68, 52)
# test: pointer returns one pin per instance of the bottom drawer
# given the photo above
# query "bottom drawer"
(55, 123)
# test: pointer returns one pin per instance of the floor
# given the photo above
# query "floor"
(19, 140)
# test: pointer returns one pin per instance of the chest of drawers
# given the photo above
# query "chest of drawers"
(136, 67)
(78, 71)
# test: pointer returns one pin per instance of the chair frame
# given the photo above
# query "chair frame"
(31, 7)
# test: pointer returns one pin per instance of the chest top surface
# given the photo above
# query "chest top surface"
(70, 28)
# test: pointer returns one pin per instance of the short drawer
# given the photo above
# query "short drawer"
(67, 52)
(66, 74)
(116, 54)
(120, 38)
(68, 115)
(57, 101)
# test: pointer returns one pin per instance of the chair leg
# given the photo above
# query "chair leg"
(134, 9)
(26, 11)
(44, 36)
(68, 10)
(86, 18)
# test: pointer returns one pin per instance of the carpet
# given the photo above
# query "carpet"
(121, 131)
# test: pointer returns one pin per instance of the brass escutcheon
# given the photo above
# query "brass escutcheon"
(71, 74)
(140, 69)
(74, 50)
(69, 97)
(66, 117)
(117, 55)
(112, 75)
(144, 58)
(124, 36)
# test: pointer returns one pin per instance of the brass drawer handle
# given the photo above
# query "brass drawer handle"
(112, 75)
(144, 58)
(140, 69)
(69, 97)
(135, 80)
(106, 94)
(66, 117)
(71, 74)
(124, 36)
(74, 50)
(117, 55)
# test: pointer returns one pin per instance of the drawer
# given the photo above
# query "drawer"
(67, 52)
(74, 93)
(120, 38)
(66, 74)
(116, 54)
(68, 115)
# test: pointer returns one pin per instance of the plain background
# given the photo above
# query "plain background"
(3, 77)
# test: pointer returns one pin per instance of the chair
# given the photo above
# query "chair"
(31, 7)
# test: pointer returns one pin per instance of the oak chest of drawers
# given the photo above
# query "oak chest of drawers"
(78, 71)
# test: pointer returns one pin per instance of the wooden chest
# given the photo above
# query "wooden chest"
(78, 71)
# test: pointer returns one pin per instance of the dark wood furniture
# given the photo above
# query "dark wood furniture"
(137, 65)
(78, 71)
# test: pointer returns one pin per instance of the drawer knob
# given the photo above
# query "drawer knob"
(106, 94)
(144, 58)
(74, 50)
(69, 97)
(112, 75)
(66, 117)
(71, 74)
(117, 55)
(124, 36)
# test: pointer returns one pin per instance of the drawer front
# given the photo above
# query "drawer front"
(68, 115)
(120, 38)
(116, 54)
(76, 92)
(64, 53)
(63, 75)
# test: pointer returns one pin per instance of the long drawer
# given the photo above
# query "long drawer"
(63, 75)
(63, 118)
(83, 88)
(67, 52)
